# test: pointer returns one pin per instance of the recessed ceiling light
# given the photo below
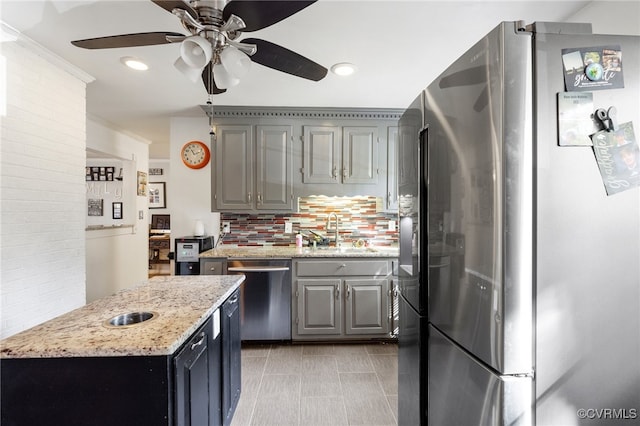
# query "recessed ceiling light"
(343, 69)
(134, 63)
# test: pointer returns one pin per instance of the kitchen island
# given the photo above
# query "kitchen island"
(79, 369)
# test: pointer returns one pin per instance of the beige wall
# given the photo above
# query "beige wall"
(118, 258)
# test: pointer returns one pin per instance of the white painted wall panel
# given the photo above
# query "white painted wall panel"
(42, 190)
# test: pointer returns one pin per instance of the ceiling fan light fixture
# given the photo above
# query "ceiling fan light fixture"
(134, 63)
(196, 52)
(343, 69)
(223, 78)
(236, 63)
(192, 73)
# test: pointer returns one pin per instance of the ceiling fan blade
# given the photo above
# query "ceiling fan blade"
(126, 40)
(169, 5)
(258, 14)
(209, 83)
(282, 59)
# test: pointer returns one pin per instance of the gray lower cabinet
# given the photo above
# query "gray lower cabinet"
(212, 266)
(354, 303)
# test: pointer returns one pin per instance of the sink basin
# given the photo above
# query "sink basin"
(130, 319)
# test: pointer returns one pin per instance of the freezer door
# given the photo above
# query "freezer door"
(479, 169)
(462, 391)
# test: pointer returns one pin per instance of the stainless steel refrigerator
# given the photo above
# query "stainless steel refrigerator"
(528, 241)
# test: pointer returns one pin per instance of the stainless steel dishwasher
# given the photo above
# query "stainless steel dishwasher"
(265, 298)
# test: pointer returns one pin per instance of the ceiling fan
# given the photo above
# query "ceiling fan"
(211, 51)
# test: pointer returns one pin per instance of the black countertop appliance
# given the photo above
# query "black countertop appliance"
(188, 249)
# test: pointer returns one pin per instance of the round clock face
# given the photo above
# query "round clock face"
(195, 154)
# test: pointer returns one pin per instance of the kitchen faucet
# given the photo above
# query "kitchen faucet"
(337, 229)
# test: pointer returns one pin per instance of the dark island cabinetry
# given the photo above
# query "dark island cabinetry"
(186, 388)
(231, 378)
(197, 378)
(101, 391)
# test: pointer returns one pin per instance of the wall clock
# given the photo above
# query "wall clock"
(195, 154)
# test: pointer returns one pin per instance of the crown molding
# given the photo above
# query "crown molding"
(214, 111)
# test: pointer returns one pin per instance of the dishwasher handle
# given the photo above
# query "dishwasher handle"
(257, 268)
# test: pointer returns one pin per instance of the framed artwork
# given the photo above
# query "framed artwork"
(94, 206)
(157, 195)
(116, 210)
(142, 184)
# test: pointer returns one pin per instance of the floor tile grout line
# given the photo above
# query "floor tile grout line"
(386, 397)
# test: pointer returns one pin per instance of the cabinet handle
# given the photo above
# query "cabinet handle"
(344, 265)
(348, 291)
(335, 172)
(199, 342)
(259, 198)
(213, 268)
(338, 291)
(249, 196)
(234, 299)
(345, 172)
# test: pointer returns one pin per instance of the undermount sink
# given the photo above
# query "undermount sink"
(130, 319)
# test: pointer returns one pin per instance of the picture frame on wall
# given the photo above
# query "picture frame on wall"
(94, 207)
(116, 210)
(157, 195)
(142, 184)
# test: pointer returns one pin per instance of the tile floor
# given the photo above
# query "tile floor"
(318, 384)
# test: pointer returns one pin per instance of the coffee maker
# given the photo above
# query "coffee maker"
(187, 253)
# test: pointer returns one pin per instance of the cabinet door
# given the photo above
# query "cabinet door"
(392, 168)
(366, 306)
(360, 155)
(231, 374)
(321, 154)
(274, 180)
(192, 381)
(319, 306)
(234, 167)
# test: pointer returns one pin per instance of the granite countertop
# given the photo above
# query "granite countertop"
(183, 303)
(258, 252)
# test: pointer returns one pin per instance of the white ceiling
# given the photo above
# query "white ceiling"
(398, 47)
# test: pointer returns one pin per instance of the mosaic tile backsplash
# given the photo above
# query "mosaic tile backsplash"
(361, 218)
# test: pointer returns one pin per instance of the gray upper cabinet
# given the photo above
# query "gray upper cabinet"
(335, 155)
(274, 181)
(253, 174)
(234, 168)
(264, 158)
(321, 154)
(392, 168)
(360, 155)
